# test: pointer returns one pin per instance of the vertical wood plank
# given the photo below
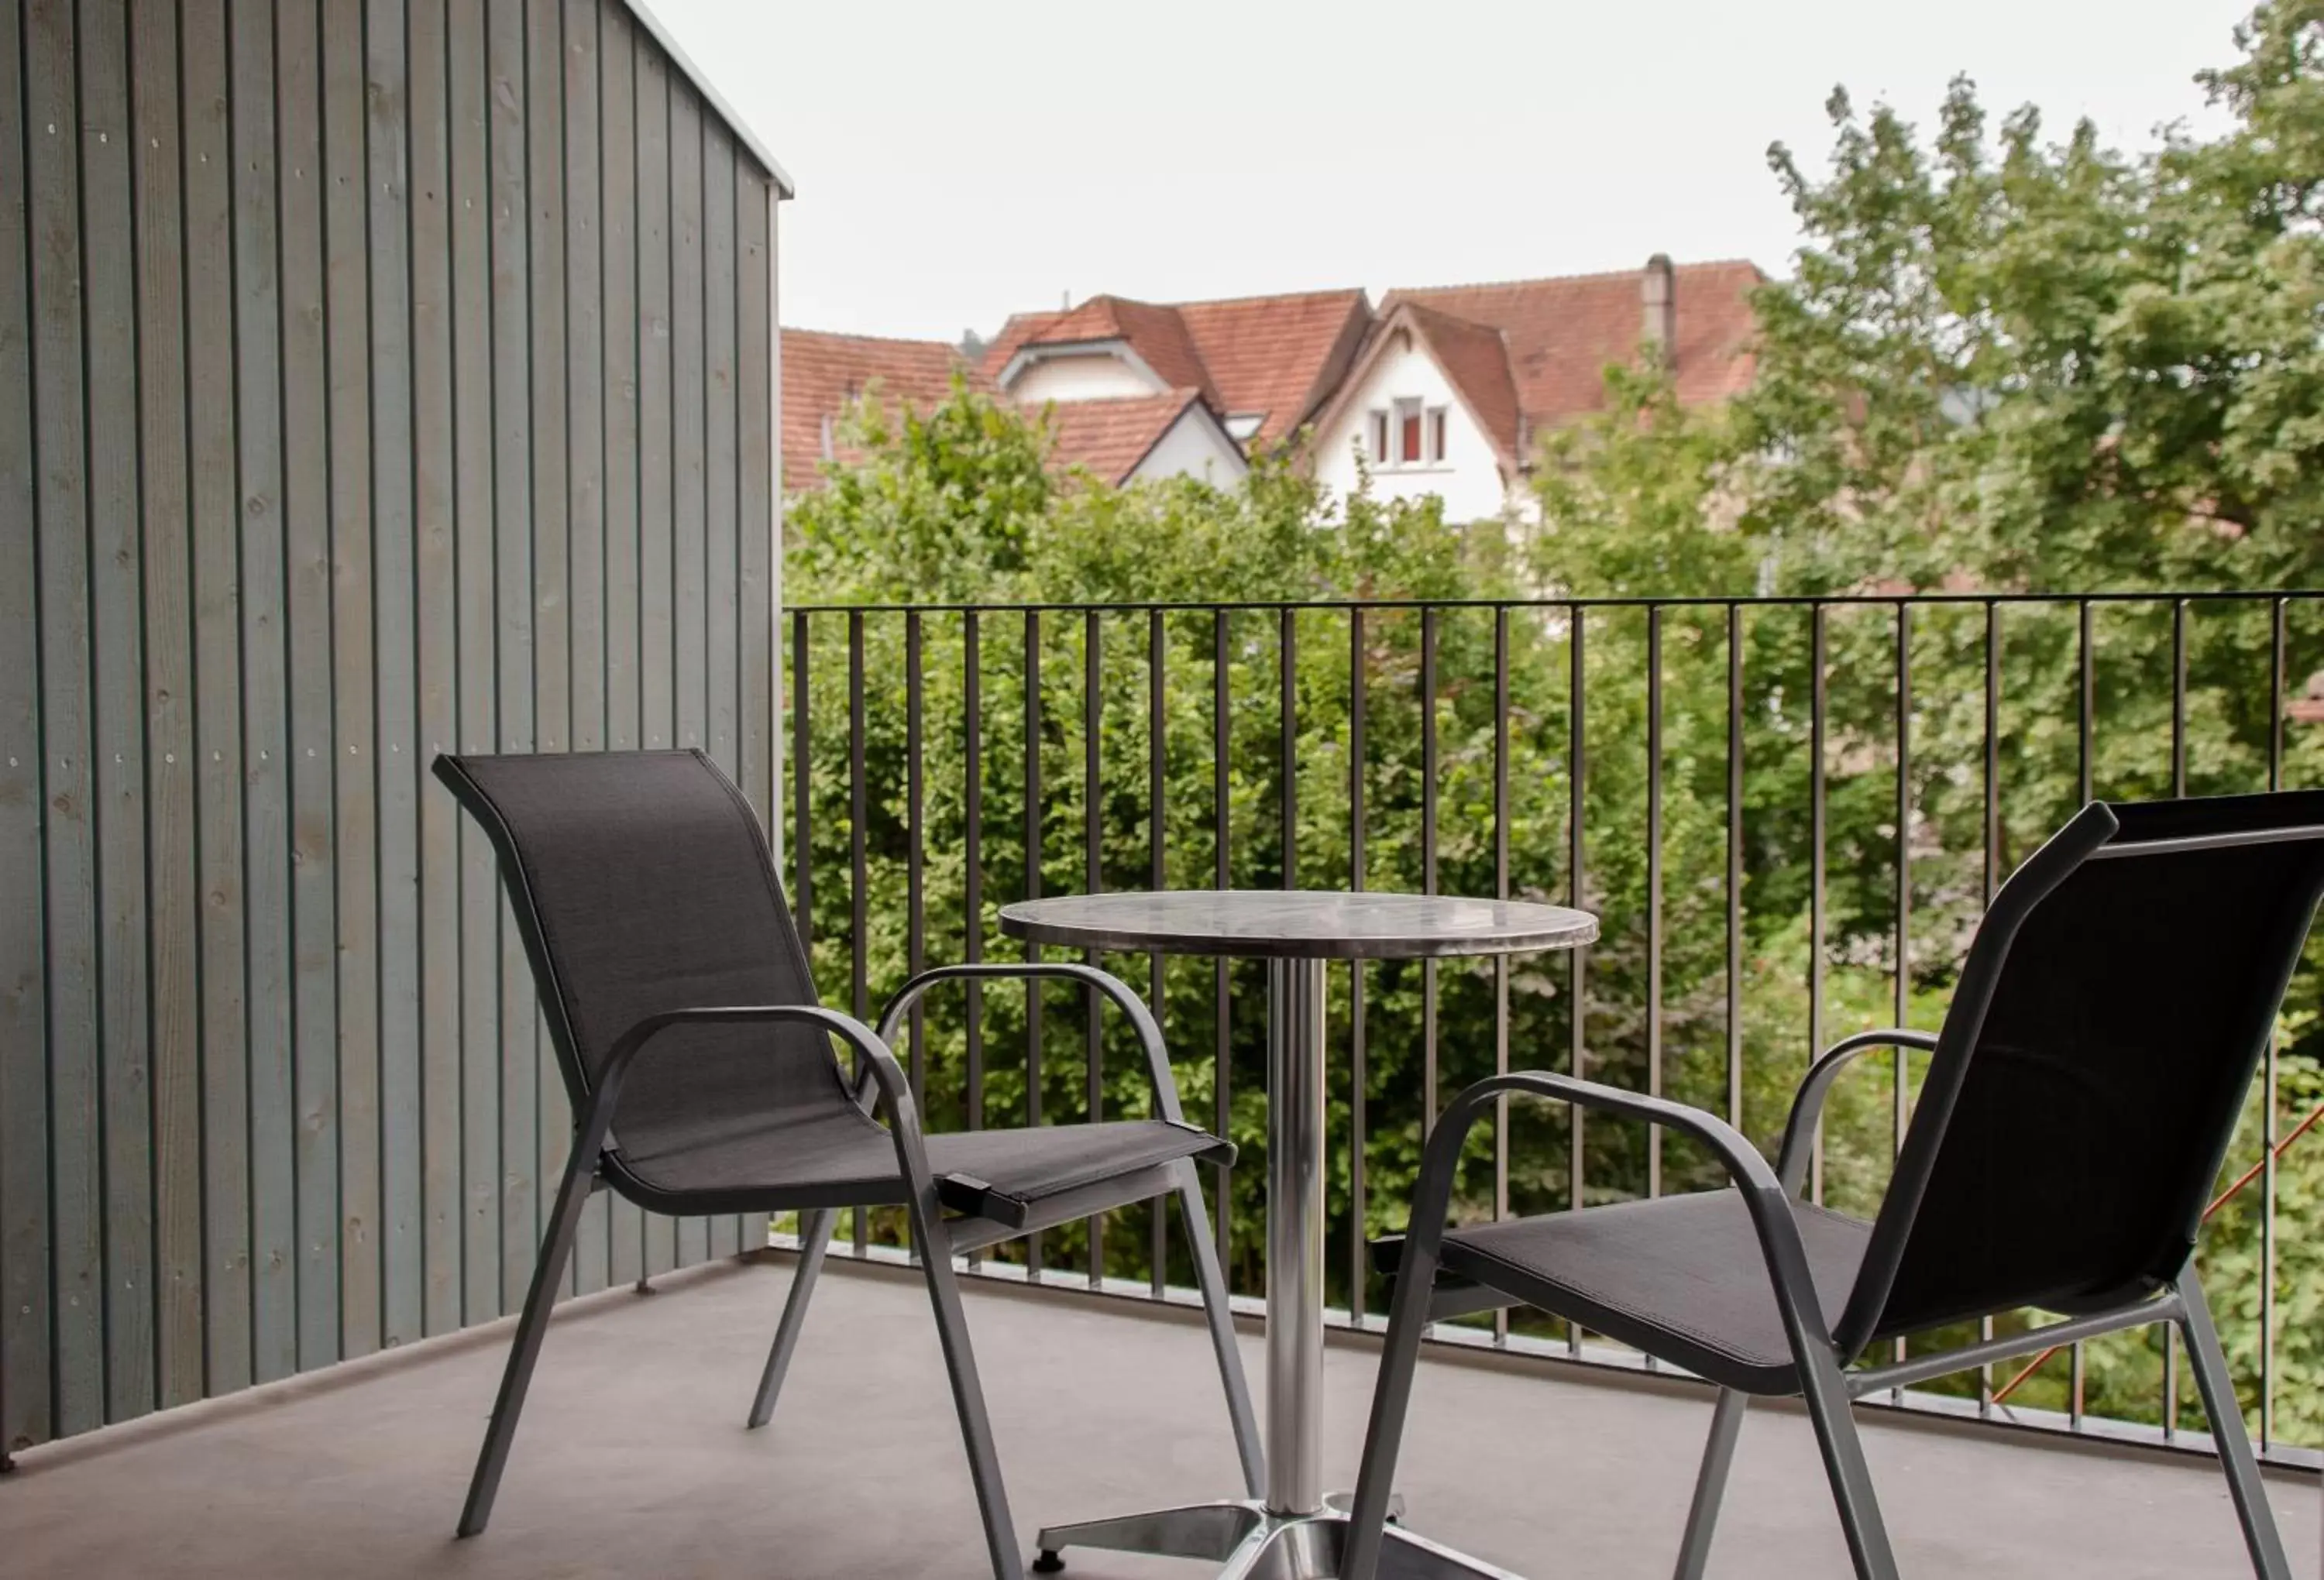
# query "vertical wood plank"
(438, 637)
(544, 125)
(117, 613)
(472, 471)
(306, 527)
(617, 168)
(689, 563)
(355, 812)
(265, 704)
(721, 568)
(656, 651)
(218, 691)
(26, 1397)
(397, 761)
(754, 459)
(175, 1057)
(584, 474)
(513, 539)
(61, 526)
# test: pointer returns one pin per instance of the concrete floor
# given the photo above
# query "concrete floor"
(632, 1460)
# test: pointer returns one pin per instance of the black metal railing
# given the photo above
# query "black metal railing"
(1789, 811)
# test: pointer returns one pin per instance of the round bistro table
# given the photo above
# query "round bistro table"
(1294, 1532)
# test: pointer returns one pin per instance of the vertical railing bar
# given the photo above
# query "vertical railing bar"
(1158, 1256)
(1901, 1094)
(1735, 865)
(1992, 876)
(859, 887)
(1033, 892)
(914, 859)
(802, 789)
(2269, 1071)
(2179, 697)
(1577, 970)
(971, 687)
(1653, 889)
(1092, 881)
(2178, 788)
(916, 923)
(1221, 1042)
(1816, 865)
(1501, 961)
(1358, 1065)
(1288, 717)
(2088, 707)
(802, 794)
(1428, 986)
(2086, 715)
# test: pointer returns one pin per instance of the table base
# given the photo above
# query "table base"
(1252, 1542)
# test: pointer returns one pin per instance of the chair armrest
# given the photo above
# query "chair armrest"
(895, 1091)
(1764, 1195)
(1149, 1033)
(1807, 1104)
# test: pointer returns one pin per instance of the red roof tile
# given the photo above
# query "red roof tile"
(823, 373)
(1280, 357)
(1111, 436)
(1476, 359)
(1155, 333)
(1561, 333)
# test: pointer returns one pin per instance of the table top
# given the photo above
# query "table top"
(1297, 924)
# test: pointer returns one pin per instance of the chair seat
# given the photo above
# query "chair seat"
(837, 1156)
(1680, 1277)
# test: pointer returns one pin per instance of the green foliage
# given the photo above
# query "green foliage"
(2003, 366)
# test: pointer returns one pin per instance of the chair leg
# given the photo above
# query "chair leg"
(531, 1327)
(967, 1391)
(813, 1244)
(2227, 1418)
(1711, 1482)
(1407, 1323)
(1215, 1308)
(1826, 1396)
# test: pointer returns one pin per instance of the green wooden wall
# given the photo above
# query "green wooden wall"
(376, 376)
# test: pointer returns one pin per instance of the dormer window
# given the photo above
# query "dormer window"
(1408, 433)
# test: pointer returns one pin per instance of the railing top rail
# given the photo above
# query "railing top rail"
(1798, 600)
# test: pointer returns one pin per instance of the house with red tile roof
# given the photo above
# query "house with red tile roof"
(1454, 387)
(1121, 435)
(825, 373)
(1266, 364)
(1443, 390)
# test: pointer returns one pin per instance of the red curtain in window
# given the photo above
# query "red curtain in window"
(1409, 452)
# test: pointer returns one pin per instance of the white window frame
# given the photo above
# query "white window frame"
(1437, 423)
(1376, 437)
(1408, 409)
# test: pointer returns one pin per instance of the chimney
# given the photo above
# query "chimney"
(1658, 292)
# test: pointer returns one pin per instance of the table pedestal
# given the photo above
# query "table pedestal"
(1295, 1533)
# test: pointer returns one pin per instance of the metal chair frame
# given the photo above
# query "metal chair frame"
(880, 1087)
(1823, 1351)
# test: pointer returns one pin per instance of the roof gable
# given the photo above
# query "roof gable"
(1561, 333)
(1111, 436)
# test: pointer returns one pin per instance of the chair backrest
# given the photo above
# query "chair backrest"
(641, 882)
(2099, 1048)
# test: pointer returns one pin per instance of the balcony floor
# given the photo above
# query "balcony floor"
(632, 1462)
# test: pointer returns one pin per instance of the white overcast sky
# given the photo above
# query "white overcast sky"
(958, 161)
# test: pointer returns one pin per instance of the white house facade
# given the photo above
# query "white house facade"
(1403, 422)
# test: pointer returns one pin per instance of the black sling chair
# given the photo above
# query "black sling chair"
(2078, 1102)
(701, 1077)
